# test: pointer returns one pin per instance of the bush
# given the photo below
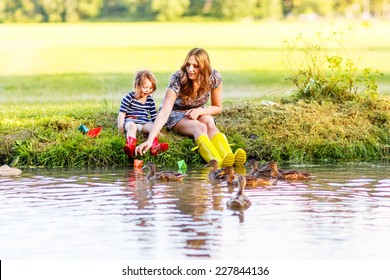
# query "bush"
(321, 69)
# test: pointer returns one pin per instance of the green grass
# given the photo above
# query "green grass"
(54, 77)
(58, 62)
(47, 135)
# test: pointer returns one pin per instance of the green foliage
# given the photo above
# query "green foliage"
(168, 10)
(232, 9)
(49, 11)
(318, 74)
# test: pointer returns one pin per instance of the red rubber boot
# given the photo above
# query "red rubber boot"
(129, 148)
(158, 147)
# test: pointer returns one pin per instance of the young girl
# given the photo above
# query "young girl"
(138, 112)
(184, 110)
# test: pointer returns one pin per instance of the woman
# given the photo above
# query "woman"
(183, 110)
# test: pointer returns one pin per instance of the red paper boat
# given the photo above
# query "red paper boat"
(138, 163)
(94, 131)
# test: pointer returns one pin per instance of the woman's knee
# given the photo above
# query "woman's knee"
(201, 127)
(209, 122)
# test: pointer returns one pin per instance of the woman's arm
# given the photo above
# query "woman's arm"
(214, 109)
(162, 117)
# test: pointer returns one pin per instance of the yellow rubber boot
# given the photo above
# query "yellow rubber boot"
(240, 157)
(207, 149)
(221, 144)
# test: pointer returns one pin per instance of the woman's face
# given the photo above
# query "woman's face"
(192, 68)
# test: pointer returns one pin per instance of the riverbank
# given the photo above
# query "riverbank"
(48, 135)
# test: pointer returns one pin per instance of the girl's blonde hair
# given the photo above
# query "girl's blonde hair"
(187, 87)
(143, 75)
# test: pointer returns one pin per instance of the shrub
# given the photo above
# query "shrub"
(321, 68)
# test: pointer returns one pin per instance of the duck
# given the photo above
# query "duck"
(264, 171)
(287, 174)
(5, 170)
(214, 170)
(254, 165)
(250, 180)
(153, 175)
(239, 201)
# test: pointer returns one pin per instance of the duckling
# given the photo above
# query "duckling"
(287, 174)
(153, 175)
(250, 180)
(5, 170)
(253, 164)
(264, 171)
(239, 201)
(214, 170)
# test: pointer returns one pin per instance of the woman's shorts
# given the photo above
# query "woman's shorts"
(174, 118)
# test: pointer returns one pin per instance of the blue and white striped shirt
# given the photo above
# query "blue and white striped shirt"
(136, 111)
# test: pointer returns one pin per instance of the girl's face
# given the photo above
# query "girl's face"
(192, 68)
(146, 88)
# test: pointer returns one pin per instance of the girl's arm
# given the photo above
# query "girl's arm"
(125, 103)
(162, 117)
(121, 120)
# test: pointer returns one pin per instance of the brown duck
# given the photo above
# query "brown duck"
(239, 201)
(153, 175)
(214, 170)
(250, 180)
(287, 174)
(264, 171)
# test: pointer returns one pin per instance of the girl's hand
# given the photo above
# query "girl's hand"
(121, 129)
(144, 147)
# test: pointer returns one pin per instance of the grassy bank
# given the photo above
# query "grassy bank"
(48, 136)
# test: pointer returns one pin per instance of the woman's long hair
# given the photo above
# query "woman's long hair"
(187, 86)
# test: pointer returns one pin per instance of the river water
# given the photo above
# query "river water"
(343, 213)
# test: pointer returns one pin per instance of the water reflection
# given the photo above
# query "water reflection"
(116, 214)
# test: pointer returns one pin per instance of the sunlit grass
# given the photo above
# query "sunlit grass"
(125, 47)
(54, 77)
(61, 62)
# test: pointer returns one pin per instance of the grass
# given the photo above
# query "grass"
(55, 77)
(307, 132)
(48, 136)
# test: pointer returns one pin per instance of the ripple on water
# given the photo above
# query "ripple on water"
(343, 213)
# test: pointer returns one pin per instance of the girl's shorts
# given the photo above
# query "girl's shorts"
(139, 126)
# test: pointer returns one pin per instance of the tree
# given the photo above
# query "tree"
(170, 9)
(52, 10)
(89, 8)
(232, 9)
(20, 11)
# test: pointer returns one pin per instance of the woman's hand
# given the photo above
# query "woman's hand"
(144, 147)
(193, 114)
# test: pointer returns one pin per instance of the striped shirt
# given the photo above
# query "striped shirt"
(136, 111)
